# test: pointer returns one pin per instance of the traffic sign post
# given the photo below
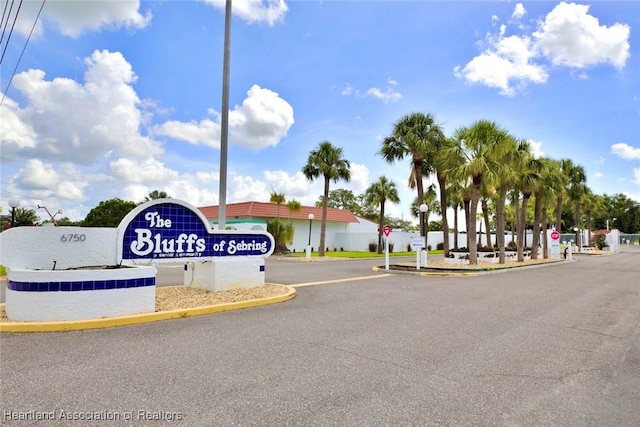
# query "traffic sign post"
(386, 230)
(417, 243)
(554, 247)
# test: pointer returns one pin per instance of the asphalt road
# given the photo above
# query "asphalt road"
(556, 345)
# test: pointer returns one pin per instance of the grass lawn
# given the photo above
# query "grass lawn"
(360, 254)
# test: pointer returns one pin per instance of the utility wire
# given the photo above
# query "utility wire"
(15, 18)
(4, 94)
(8, 15)
(4, 12)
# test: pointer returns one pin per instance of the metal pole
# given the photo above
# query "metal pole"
(13, 217)
(309, 244)
(224, 121)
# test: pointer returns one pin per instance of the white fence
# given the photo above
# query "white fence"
(401, 240)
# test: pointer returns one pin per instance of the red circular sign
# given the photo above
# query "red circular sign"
(555, 235)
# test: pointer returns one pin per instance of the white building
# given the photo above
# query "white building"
(340, 224)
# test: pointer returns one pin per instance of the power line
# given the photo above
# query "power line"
(15, 18)
(3, 15)
(4, 94)
(4, 12)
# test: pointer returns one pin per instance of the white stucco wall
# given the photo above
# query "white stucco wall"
(227, 273)
(47, 306)
(69, 247)
(301, 234)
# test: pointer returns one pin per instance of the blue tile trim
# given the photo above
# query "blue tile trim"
(89, 285)
(261, 268)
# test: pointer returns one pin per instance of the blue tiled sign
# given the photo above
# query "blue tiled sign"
(174, 230)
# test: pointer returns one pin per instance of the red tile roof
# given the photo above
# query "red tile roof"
(269, 210)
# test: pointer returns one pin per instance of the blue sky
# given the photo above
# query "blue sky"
(117, 99)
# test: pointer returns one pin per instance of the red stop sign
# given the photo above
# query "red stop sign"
(555, 235)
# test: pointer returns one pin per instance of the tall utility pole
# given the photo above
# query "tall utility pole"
(224, 123)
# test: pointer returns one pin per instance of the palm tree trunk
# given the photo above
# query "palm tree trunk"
(545, 238)
(487, 226)
(515, 225)
(522, 235)
(323, 226)
(380, 226)
(417, 165)
(577, 222)
(559, 213)
(467, 214)
(455, 226)
(587, 234)
(500, 223)
(471, 233)
(537, 213)
(442, 183)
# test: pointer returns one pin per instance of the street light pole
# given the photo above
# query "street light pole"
(423, 211)
(13, 204)
(224, 120)
(311, 216)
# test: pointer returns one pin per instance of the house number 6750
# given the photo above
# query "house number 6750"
(73, 238)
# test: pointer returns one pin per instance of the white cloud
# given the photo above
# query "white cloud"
(536, 148)
(568, 36)
(261, 121)
(626, 151)
(206, 131)
(597, 175)
(359, 178)
(296, 185)
(79, 122)
(505, 63)
(389, 95)
(44, 180)
(149, 171)
(571, 37)
(518, 11)
(267, 11)
(72, 18)
(346, 90)
(14, 133)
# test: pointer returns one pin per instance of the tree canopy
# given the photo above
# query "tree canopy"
(108, 213)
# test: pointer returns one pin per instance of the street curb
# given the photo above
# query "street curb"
(136, 319)
(474, 273)
(424, 273)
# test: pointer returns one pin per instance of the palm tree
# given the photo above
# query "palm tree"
(540, 193)
(592, 203)
(378, 193)
(155, 194)
(414, 135)
(487, 193)
(529, 179)
(441, 165)
(505, 175)
(454, 198)
(294, 206)
(576, 189)
(481, 147)
(327, 161)
(278, 199)
(545, 196)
